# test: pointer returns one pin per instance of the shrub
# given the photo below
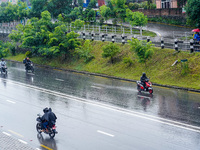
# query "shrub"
(110, 50)
(85, 52)
(128, 60)
(28, 54)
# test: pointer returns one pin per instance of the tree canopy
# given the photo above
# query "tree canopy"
(193, 10)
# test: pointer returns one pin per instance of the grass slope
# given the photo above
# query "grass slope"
(159, 69)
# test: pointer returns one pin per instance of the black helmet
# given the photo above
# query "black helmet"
(45, 110)
(143, 74)
(2, 59)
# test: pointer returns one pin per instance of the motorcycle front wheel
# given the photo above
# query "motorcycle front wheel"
(151, 91)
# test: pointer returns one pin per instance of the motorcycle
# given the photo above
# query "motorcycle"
(146, 88)
(29, 66)
(3, 69)
(51, 130)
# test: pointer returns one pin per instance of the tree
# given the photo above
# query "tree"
(57, 7)
(85, 51)
(37, 7)
(120, 9)
(143, 50)
(136, 19)
(92, 4)
(110, 50)
(91, 16)
(193, 11)
(69, 44)
(105, 12)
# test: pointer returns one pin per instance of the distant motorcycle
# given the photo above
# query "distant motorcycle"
(51, 130)
(146, 88)
(3, 69)
(29, 67)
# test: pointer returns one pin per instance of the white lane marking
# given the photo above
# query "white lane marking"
(105, 133)
(144, 96)
(15, 133)
(6, 133)
(114, 108)
(31, 74)
(22, 141)
(58, 79)
(37, 149)
(96, 87)
(10, 101)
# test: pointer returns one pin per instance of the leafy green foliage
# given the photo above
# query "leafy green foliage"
(57, 7)
(45, 38)
(110, 50)
(133, 6)
(143, 50)
(4, 51)
(85, 51)
(105, 12)
(193, 11)
(136, 18)
(128, 60)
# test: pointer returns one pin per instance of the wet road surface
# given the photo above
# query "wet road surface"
(97, 113)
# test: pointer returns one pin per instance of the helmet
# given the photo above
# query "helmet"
(45, 110)
(143, 74)
(2, 59)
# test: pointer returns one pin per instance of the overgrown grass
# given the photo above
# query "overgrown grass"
(160, 69)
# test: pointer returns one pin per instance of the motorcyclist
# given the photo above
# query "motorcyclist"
(143, 79)
(45, 119)
(27, 61)
(52, 118)
(3, 63)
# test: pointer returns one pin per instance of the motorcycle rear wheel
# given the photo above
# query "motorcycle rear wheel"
(52, 134)
(38, 128)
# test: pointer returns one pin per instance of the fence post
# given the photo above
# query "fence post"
(113, 38)
(191, 46)
(102, 38)
(162, 43)
(92, 36)
(123, 40)
(83, 36)
(106, 29)
(131, 30)
(176, 44)
(148, 39)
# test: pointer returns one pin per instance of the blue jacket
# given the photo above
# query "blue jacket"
(197, 37)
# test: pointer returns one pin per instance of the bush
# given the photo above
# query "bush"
(143, 49)
(85, 52)
(28, 54)
(110, 50)
(128, 60)
(133, 6)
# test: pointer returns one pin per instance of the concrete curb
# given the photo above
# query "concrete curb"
(107, 76)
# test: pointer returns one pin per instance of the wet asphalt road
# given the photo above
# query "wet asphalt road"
(97, 113)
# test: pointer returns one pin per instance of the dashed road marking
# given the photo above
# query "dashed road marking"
(10, 101)
(58, 79)
(6, 133)
(108, 134)
(96, 87)
(22, 141)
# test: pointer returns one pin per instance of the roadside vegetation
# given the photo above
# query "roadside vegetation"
(126, 63)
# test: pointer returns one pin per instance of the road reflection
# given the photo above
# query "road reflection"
(145, 99)
(46, 142)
